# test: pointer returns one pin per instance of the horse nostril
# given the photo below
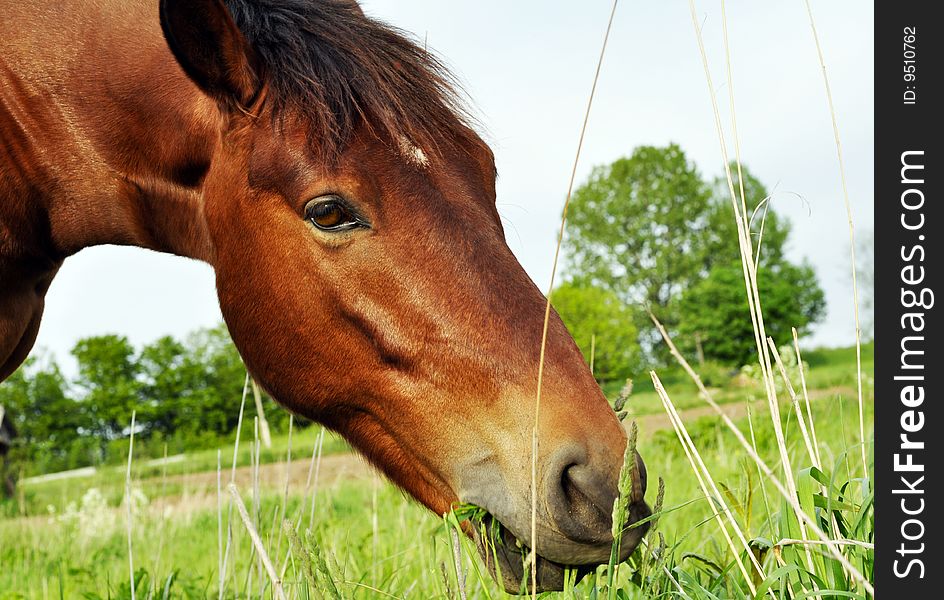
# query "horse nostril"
(582, 503)
(638, 493)
(581, 496)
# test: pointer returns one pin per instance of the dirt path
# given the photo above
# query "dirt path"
(333, 469)
(200, 488)
(735, 410)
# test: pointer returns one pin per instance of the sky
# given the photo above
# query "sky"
(528, 67)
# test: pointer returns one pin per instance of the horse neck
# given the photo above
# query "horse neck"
(103, 140)
(109, 139)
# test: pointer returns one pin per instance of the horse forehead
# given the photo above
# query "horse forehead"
(287, 162)
(293, 149)
(412, 153)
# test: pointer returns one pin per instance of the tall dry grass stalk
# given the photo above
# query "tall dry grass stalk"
(547, 308)
(734, 128)
(253, 450)
(457, 562)
(314, 492)
(848, 205)
(163, 521)
(795, 401)
(710, 490)
(257, 542)
(747, 263)
(300, 512)
(263, 423)
(256, 499)
(219, 515)
(806, 395)
(812, 448)
(374, 523)
(791, 498)
(792, 542)
(129, 501)
(232, 480)
(760, 474)
(288, 479)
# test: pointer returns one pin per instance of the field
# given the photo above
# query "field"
(359, 537)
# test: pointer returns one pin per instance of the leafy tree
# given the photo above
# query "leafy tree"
(715, 310)
(186, 394)
(168, 378)
(589, 311)
(216, 407)
(108, 379)
(49, 422)
(639, 226)
(648, 227)
(205, 384)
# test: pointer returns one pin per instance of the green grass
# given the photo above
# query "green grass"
(370, 541)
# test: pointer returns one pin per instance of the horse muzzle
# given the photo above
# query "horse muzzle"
(573, 524)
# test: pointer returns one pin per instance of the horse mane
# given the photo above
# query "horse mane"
(337, 68)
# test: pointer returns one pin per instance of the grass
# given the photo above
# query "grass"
(410, 552)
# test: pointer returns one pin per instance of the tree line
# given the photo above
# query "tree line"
(185, 393)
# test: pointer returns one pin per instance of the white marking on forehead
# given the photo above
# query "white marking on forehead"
(413, 153)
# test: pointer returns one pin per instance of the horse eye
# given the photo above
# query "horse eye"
(330, 214)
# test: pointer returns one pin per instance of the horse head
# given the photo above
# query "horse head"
(363, 273)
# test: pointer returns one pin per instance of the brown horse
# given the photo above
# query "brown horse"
(321, 162)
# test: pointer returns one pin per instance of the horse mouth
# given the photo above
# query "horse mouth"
(509, 560)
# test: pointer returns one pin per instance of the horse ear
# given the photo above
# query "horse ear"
(211, 49)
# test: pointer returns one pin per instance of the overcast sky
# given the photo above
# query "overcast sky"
(528, 66)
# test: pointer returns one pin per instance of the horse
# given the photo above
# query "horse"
(324, 164)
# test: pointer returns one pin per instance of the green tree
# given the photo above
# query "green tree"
(715, 310)
(216, 407)
(108, 380)
(186, 394)
(211, 376)
(168, 379)
(49, 422)
(592, 313)
(639, 226)
(648, 227)
(192, 387)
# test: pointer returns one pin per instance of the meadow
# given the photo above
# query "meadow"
(351, 534)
